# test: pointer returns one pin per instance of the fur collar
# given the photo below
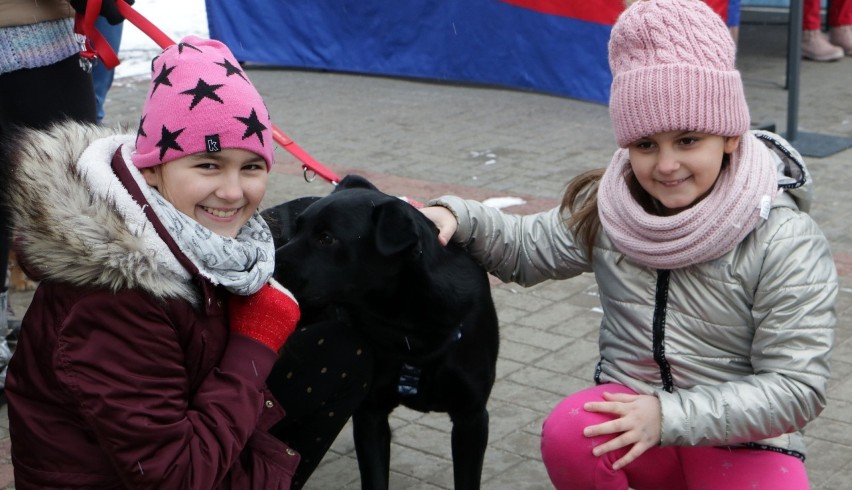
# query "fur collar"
(75, 221)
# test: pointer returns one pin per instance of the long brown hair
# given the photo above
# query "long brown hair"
(581, 202)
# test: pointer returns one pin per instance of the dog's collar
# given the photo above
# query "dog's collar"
(457, 334)
(409, 376)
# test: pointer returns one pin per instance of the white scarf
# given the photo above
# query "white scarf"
(242, 265)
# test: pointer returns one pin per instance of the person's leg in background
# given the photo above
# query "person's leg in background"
(5, 309)
(102, 77)
(840, 24)
(815, 44)
(733, 20)
(5, 243)
(37, 97)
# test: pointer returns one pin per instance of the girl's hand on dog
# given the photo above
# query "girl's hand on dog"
(638, 423)
(444, 220)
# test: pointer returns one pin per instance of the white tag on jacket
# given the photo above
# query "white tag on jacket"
(765, 206)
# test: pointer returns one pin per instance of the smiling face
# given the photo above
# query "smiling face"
(219, 190)
(679, 168)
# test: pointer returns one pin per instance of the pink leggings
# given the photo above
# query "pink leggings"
(567, 454)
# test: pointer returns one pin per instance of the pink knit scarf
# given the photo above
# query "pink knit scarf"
(706, 231)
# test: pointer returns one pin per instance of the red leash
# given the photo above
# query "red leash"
(100, 47)
(94, 44)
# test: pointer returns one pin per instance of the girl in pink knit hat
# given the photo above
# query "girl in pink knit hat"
(143, 358)
(717, 288)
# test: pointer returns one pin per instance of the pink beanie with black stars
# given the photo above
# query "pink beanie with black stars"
(200, 101)
(673, 67)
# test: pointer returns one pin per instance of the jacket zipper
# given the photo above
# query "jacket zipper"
(659, 328)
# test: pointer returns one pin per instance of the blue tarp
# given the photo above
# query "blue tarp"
(551, 46)
(769, 3)
(490, 42)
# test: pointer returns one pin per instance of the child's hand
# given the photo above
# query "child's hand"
(444, 220)
(639, 423)
(268, 316)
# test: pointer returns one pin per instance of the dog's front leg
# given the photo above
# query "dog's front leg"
(469, 440)
(372, 436)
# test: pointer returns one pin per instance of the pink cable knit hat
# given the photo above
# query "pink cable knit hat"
(200, 101)
(673, 69)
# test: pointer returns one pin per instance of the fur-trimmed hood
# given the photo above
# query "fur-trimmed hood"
(75, 221)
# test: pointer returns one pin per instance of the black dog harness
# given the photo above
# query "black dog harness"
(409, 376)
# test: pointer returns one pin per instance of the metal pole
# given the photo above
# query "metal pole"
(794, 60)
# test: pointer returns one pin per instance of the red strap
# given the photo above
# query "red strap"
(307, 160)
(95, 45)
(143, 24)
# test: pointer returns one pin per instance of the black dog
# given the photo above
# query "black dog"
(426, 310)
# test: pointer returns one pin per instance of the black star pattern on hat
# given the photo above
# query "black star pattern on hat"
(141, 130)
(186, 45)
(230, 69)
(162, 78)
(203, 90)
(154, 61)
(168, 140)
(253, 126)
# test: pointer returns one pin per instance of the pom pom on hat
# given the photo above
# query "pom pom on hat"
(673, 67)
(200, 101)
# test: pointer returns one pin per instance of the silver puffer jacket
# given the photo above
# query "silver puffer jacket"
(737, 349)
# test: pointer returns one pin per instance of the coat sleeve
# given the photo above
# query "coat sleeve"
(794, 319)
(522, 249)
(120, 357)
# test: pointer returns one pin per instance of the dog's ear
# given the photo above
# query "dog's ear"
(281, 219)
(395, 228)
(354, 182)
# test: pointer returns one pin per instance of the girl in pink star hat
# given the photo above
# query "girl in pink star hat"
(143, 358)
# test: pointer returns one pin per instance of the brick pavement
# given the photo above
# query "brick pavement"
(423, 139)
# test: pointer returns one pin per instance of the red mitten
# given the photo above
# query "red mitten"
(268, 316)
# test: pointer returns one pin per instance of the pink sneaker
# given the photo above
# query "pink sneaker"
(842, 36)
(815, 46)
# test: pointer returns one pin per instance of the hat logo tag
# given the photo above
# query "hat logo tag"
(211, 141)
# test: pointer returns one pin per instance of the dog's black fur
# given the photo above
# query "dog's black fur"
(426, 309)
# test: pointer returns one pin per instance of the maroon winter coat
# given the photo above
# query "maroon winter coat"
(125, 373)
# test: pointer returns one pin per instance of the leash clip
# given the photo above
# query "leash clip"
(86, 64)
(308, 174)
(86, 55)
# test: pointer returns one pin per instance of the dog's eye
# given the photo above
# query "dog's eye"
(326, 239)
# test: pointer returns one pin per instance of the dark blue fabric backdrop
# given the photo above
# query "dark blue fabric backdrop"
(477, 41)
(551, 46)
